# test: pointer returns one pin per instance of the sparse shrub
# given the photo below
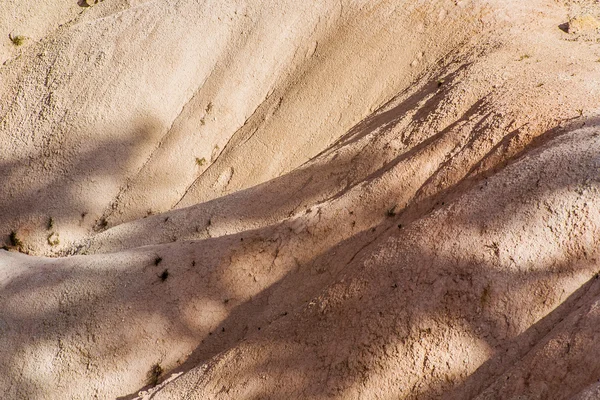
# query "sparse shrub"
(495, 247)
(154, 374)
(164, 275)
(392, 211)
(200, 161)
(53, 239)
(14, 240)
(102, 224)
(17, 40)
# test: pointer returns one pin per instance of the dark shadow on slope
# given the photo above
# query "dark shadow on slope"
(65, 187)
(324, 179)
(382, 285)
(425, 100)
(509, 353)
(309, 279)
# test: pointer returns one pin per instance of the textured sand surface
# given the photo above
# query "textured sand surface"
(285, 199)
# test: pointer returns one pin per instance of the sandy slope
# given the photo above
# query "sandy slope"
(352, 199)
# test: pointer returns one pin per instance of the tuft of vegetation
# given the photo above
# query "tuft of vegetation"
(440, 82)
(53, 239)
(154, 374)
(200, 161)
(209, 106)
(164, 275)
(392, 211)
(157, 260)
(17, 40)
(495, 247)
(14, 240)
(524, 57)
(50, 224)
(102, 224)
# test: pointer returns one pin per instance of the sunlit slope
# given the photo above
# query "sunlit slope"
(170, 103)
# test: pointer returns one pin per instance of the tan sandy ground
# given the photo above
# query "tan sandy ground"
(285, 199)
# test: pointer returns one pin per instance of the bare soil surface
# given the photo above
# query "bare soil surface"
(335, 199)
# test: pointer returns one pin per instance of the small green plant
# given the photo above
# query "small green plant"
(17, 40)
(53, 239)
(524, 57)
(209, 107)
(154, 374)
(14, 240)
(200, 161)
(50, 224)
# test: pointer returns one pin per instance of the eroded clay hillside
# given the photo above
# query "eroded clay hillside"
(283, 199)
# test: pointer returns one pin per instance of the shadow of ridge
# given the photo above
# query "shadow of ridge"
(64, 193)
(281, 197)
(375, 318)
(422, 205)
(309, 284)
(510, 353)
(370, 323)
(385, 118)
